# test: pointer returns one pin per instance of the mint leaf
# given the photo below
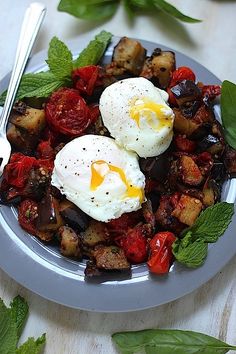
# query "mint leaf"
(19, 311)
(8, 331)
(89, 10)
(32, 346)
(213, 222)
(92, 54)
(173, 11)
(164, 341)
(193, 255)
(59, 59)
(228, 112)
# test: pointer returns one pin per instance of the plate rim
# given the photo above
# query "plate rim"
(104, 296)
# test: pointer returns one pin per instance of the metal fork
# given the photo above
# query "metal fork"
(33, 18)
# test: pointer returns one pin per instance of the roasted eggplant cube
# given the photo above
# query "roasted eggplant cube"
(184, 125)
(69, 242)
(130, 55)
(189, 171)
(21, 140)
(73, 216)
(211, 193)
(96, 233)
(187, 209)
(212, 144)
(110, 258)
(159, 67)
(156, 167)
(230, 161)
(186, 91)
(33, 120)
(49, 218)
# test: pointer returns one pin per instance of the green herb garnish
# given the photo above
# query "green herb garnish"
(191, 248)
(103, 9)
(60, 64)
(228, 112)
(163, 341)
(12, 321)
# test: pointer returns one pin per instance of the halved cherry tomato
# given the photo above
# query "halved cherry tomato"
(134, 244)
(161, 255)
(211, 91)
(27, 215)
(85, 79)
(67, 112)
(45, 150)
(180, 74)
(121, 225)
(17, 170)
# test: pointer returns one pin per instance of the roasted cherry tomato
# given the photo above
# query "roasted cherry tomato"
(134, 244)
(121, 225)
(67, 112)
(45, 150)
(211, 91)
(85, 79)
(161, 255)
(27, 215)
(184, 144)
(180, 74)
(17, 170)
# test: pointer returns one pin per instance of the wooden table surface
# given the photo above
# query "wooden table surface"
(210, 309)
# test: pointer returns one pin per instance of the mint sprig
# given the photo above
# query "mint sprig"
(191, 248)
(60, 64)
(12, 321)
(104, 9)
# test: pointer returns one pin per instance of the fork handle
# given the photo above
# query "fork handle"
(31, 23)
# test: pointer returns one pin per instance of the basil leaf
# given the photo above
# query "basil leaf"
(228, 112)
(163, 341)
(8, 331)
(193, 255)
(213, 222)
(173, 11)
(92, 54)
(144, 4)
(59, 59)
(19, 311)
(89, 11)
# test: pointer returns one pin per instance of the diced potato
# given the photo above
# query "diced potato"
(187, 209)
(33, 121)
(129, 54)
(159, 67)
(189, 171)
(70, 242)
(20, 140)
(96, 233)
(110, 258)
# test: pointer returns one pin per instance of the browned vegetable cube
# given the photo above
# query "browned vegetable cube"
(189, 171)
(49, 218)
(21, 140)
(159, 67)
(130, 55)
(70, 242)
(96, 233)
(184, 125)
(32, 121)
(110, 258)
(187, 209)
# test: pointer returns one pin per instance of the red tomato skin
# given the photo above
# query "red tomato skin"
(184, 144)
(17, 170)
(180, 74)
(134, 244)
(27, 215)
(67, 112)
(121, 225)
(161, 255)
(85, 79)
(45, 150)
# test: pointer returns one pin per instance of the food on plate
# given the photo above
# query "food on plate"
(100, 177)
(123, 164)
(136, 114)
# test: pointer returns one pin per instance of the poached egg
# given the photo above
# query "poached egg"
(137, 115)
(100, 177)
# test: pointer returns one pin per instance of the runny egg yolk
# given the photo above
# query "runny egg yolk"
(154, 114)
(99, 170)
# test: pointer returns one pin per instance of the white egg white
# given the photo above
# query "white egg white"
(72, 176)
(115, 104)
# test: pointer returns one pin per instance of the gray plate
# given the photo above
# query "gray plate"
(43, 270)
